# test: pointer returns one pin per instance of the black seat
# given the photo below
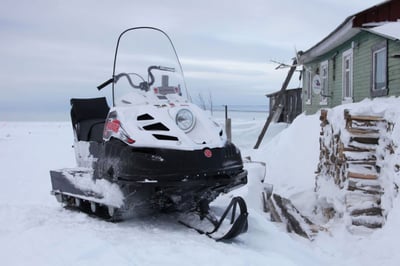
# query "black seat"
(88, 117)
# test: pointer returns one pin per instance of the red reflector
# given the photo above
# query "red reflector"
(130, 141)
(208, 153)
(113, 125)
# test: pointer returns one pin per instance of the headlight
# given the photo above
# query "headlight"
(185, 120)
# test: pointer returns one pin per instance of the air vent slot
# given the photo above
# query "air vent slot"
(156, 126)
(145, 117)
(165, 137)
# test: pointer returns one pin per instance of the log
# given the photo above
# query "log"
(324, 118)
(373, 190)
(363, 131)
(287, 209)
(348, 116)
(354, 200)
(374, 211)
(359, 221)
(365, 140)
(361, 176)
(366, 118)
(270, 206)
(353, 148)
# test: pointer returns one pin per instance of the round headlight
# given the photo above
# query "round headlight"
(185, 120)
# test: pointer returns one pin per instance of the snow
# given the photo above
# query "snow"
(83, 178)
(36, 230)
(390, 29)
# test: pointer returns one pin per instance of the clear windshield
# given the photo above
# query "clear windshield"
(146, 61)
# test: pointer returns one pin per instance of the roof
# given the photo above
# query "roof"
(374, 19)
(387, 30)
(285, 91)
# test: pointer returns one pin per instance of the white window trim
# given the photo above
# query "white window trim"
(323, 98)
(345, 54)
(373, 69)
(308, 87)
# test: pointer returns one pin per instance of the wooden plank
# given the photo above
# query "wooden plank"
(361, 176)
(290, 212)
(361, 162)
(365, 185)
(324, 118)
(365, 118)
(269, 206)
(367, 222)
(373, 211)
(363, 131)
(365, 140)
(360, 147)
(360, 156)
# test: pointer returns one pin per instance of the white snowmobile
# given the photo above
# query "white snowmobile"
(153, 149)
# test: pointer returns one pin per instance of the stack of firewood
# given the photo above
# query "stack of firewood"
(348, 158)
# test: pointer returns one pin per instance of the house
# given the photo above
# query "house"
(291, 104)
(359, 59)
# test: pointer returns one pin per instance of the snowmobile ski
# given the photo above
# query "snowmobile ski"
(232, 223)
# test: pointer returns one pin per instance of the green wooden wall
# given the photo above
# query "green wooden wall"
(362, 70)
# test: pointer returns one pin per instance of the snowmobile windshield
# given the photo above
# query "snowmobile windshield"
(146, 63)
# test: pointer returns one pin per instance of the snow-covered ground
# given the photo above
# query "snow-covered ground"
(36, 230)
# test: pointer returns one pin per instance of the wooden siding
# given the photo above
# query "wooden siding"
(362, 71)
(394, 68)
(292, 104)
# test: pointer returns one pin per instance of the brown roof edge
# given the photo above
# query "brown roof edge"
(385, 11)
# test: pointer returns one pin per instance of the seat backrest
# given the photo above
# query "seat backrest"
(88, 115)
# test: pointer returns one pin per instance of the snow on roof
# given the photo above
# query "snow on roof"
(342, 33)
(389, 30)
(379, 19)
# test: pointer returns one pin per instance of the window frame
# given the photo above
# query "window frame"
(308, 87)
(347, 54)
(325, 82)
(382, 46)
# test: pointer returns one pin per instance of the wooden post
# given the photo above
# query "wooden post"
(228, 125)
(277, 104)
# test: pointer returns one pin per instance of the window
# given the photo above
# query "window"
(308, 83)
(379, 70)
(347, 76)
(324, 83)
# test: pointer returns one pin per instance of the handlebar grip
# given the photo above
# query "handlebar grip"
(101, 86)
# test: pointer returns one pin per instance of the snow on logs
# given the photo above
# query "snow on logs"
(354, 178)
(282, 210)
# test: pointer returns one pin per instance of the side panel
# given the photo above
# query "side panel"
(87, 153)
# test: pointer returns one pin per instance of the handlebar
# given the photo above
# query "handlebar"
(162, 68)
(143, 85)
(106, 83)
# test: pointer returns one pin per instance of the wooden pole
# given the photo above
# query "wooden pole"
(277, 103)
(228, 125)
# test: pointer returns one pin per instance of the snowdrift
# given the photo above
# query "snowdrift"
(36, 230)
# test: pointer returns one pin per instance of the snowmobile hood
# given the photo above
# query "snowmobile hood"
(157, 125)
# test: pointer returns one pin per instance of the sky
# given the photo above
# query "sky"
(54, 50)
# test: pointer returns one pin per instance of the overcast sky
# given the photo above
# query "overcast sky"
(52, 50)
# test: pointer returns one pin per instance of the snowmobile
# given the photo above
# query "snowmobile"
(153, 149)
